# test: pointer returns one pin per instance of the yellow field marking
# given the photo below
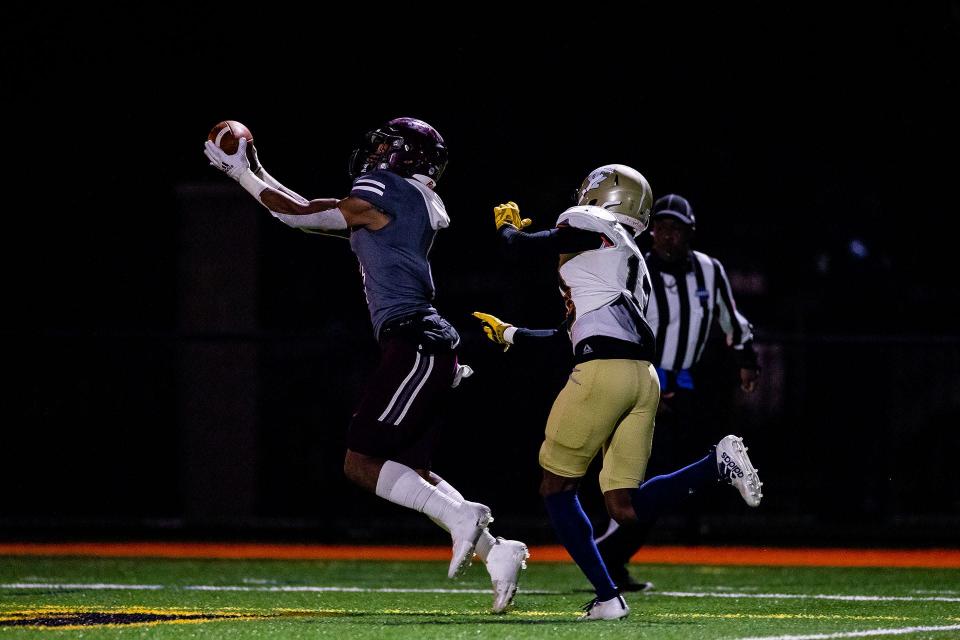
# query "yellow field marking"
(236, 613)
(46, 609)
(25, 616)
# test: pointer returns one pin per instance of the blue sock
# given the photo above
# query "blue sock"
(672, 488)
(576, 534)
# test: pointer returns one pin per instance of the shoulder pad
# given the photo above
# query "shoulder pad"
(589, 218)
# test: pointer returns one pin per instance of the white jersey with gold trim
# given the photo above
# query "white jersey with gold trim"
(609, 287)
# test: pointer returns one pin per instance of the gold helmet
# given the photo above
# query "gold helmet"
(622, 191)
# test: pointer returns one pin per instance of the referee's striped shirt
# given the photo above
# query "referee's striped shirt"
(682, 307)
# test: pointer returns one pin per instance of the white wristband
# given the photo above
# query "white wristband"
(254, 185)
(508, 334)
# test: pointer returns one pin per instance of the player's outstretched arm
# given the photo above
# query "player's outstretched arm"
(325, 215)
(560, 240)
(238, 166)
(504, 333)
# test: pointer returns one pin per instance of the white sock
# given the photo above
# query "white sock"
(484, 544)
(448, 489)
(486, 541)
(450, 492)
(402, 485)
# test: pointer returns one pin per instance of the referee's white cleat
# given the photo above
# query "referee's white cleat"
(735, 467)
(474, 518)
(612, 609)
(505, 560)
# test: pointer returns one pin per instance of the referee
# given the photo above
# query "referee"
(690, 289)
(691, 292)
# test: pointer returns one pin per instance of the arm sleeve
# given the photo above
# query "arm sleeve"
(564, 239)
(522, 335)
(329, 220)
(558, 338)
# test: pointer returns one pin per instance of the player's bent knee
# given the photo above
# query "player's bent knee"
(350, 466)
(623, 515)
(362, 469)
(553, 484)
(620, 506)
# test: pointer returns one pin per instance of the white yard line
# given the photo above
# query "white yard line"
(802, 596)
(296, 589)
(98, 586)
(89, 586)
(858, 634)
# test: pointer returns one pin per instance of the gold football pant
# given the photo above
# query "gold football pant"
(609, 405)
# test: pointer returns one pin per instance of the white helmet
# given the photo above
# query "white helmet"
(622, 191)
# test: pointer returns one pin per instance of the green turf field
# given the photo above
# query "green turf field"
(366, 599)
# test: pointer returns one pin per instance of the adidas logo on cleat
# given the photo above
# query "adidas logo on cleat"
(731, 468)
(734, 466)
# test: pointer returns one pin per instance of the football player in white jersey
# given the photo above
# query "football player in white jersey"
(610, 400)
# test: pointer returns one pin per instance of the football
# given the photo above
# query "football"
(226, 134)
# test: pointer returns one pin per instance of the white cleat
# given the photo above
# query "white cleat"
(474, 518)
(504, 562)
(612, 609)
(735, 467)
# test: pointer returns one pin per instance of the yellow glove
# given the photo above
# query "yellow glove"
(494, 327)
(509, 213)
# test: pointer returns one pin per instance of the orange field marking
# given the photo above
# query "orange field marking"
(935, 558)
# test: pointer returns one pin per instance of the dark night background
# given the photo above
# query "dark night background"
(182, 365)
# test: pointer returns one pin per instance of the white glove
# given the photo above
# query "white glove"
(234, 165)
(255, 165)
(463, 372)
